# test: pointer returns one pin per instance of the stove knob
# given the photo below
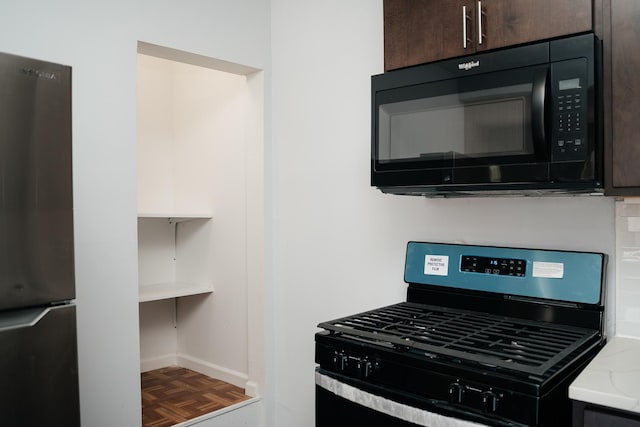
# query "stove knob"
(363, 367)
(455, 393)
(489, 401)
(339, 361)
(367, 368)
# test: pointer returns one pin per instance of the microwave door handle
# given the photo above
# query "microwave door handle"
(538, 101)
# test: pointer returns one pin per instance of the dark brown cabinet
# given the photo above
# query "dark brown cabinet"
(419, 31)
(622, 97)
(510, 22)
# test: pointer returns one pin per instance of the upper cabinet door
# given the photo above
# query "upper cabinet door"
(419, 31)
(511, 22)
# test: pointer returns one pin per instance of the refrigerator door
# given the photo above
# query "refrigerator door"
(39, 367)
(36, 211)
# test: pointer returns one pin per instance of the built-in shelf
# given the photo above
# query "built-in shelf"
(171, 246)
(176, 216)
(159, 291)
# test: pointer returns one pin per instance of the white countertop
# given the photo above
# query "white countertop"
(612, 378)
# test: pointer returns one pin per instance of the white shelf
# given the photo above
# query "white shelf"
(160, 291)
(172, 256)
(176, 216)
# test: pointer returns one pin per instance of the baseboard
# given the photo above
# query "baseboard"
(251, 388)
(158, 362)
(236, 378)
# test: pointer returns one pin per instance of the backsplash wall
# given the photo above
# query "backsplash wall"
(627, 267)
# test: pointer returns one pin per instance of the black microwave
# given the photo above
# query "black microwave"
(525, 120)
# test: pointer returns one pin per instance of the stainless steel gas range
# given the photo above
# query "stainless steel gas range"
(487, 336)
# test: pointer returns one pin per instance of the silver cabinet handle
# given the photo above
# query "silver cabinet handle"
(480, 13)
(465, 17)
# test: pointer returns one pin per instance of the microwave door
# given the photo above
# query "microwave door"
(484, 129)
(505, 117)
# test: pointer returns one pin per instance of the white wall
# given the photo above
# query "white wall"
(213, 109)
(628, 267)
(99, 40)
(339, 243)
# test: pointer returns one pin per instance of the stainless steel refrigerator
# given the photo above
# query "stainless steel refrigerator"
(38, 350)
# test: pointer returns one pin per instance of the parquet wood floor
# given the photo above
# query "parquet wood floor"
(173, 395)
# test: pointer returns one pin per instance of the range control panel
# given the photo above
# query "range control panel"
(499, 266)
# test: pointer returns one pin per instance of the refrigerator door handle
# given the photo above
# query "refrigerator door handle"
(22, 318)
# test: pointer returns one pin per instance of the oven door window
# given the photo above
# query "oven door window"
(472, 121)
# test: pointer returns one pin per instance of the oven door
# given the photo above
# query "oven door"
(341, 404)
(487, 128)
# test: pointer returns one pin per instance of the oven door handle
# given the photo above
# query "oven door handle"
(538, 113)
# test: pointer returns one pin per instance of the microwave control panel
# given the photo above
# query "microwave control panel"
(569, 135)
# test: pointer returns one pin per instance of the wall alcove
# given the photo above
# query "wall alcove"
(200, 215)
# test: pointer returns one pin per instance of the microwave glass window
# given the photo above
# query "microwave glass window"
(488, 123)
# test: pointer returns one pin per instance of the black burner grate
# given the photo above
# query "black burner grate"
(522, 345)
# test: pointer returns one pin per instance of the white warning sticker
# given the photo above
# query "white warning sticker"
(551, 270)
(436, 265)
